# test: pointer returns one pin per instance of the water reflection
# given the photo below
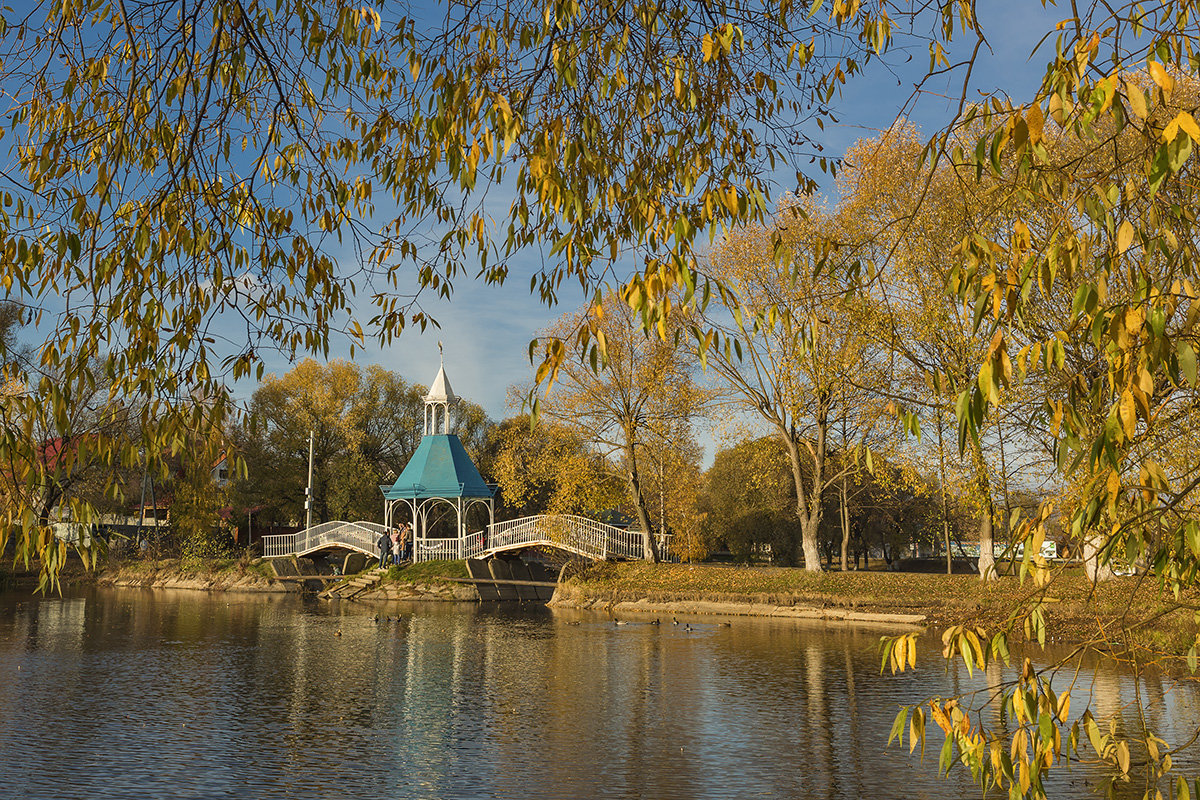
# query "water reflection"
(149, 694)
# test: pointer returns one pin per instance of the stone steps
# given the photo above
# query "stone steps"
(353, 586)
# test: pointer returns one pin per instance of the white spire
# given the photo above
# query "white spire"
(440, 391)
(439, 400)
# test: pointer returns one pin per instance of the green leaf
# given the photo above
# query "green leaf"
(1093, 734)
(1160, 168)
(985, 377)
(1045, 727)
(916, 731)
(901, 720)
(1178, 151)
(1187, 361)
(946, 760)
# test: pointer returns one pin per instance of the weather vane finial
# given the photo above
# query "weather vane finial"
(441, 356)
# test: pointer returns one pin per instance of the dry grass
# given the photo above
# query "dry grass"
(1116, 615)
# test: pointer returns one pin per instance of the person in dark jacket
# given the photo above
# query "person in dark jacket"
(385, 547)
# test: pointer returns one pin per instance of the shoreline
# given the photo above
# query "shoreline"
(240, 577)
(231, 576)
(174, 577)
(1144, 618)
(727, 608)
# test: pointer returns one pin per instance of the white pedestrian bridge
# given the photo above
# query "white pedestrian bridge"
(576, 535)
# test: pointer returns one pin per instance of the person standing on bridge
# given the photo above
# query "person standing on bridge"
(405, 541)
(385, 545)
(396, 545)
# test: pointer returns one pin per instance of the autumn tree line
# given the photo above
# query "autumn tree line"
(619, 443)
(815, 465)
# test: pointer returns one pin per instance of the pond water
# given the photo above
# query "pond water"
(138, 694)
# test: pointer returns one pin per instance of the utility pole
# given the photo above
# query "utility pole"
(308, 489)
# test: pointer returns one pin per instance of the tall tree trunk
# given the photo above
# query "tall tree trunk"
(54, 493)
(1095, 570)
(945, 504)
(845, 526)
(987, 558)
(649, 549)
(1008, 534)
(807, 510)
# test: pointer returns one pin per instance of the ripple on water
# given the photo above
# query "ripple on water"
(154, 694)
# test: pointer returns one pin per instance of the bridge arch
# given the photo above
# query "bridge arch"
(361, 536)
(573, 534)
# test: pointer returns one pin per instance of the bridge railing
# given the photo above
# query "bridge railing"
(578, 534)
(359, 535)
(474, 543)
(581, 535)
(435, 549)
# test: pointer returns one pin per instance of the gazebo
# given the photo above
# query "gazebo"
(440, 473)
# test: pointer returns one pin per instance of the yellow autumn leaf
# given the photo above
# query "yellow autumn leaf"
(1159, 74)
(1137, 100)
(1113, 484)
(1128, 413)
(1188, 123)
(1183, 121)
(1035, 121)
(1124, 236)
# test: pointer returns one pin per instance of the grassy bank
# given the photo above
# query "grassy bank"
(216, 574)
(1132, 611)
(428, 580)
(427, 572)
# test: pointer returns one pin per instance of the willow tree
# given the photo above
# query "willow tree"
(1101, 158)
(188, 186)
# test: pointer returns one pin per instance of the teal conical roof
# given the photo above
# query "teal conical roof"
(439, 468)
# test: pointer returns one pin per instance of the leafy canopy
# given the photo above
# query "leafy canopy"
(189, 186)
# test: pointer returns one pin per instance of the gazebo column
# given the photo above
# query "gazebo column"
(424, 514)
(461, 528)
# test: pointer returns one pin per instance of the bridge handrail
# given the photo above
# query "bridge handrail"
(360, 536)
(580, 535)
